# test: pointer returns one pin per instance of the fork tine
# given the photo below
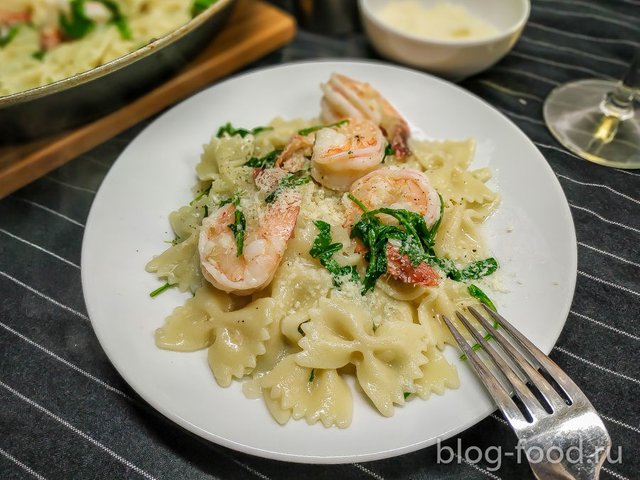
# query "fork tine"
(571, 390)
(491, 382)
(555, 401)
(530, 402)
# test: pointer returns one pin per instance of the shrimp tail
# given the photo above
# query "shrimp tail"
(399, 266)
(344, 97)
(398, 136)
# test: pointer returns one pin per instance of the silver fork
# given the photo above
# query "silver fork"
(557, 427)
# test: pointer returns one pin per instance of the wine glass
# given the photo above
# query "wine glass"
(596, 119)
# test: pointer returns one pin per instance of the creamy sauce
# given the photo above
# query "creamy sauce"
(443, 21)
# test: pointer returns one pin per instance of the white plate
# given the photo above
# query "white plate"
(532, 236)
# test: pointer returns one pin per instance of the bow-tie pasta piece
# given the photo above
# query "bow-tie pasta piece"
(445, 299)
(179, 265)
(387, 358)
(239, 336)
(235, 338)
(312, 394)
(220, 160)
(437, 375)
(460, 231)
(189, 327)
(467, 200)
(297, 287)
(447, 163)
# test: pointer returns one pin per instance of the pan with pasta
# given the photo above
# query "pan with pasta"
(320, 253)
(44, 41)
(65, 62)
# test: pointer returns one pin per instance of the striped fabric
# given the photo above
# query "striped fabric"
(66, 414)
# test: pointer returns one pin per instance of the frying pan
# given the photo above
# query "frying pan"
(86, 96)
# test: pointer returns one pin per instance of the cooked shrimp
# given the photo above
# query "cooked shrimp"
(343, 154)
(345, 97)
(296, 152)
(265, 242)
(9, 17)
(50, 37)
(399, 189)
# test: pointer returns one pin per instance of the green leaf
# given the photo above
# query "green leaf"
(416, 241)
(78, 24)
(7, 34)
(406, 395)
(200, 6)
(118, 19)
(322, 246)
(312, 376)
(266, 161)
(436, 225)
(307, 131)
(235, 199)
(238, 227)
(288, 181)
(39, 55)
(475, 292)
(201, 195)
(161, 289)
(323, 250)
(475, 347)
(230, 130)
(476, 270)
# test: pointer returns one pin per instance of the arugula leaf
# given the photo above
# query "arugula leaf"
(161, 289)
(235, 199)
(323, 250)
(307, 131)
(266, 161)
(39, 55)
(288, 181)
(78, 25)
(118, 19)
(200, 6)
(7, 34)
(201, 195)
(238, 227)
(243, 132)
(375, 235)
(431, 239)
(475, 347)
(481, 296)
(257, 130)
(416, 241)
(476, 270)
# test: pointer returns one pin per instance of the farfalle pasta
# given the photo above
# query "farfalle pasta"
(300, 281)
(44, 41)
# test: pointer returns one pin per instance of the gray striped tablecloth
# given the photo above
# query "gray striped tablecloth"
(66, 413)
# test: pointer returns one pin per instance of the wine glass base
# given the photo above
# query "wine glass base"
(575, 116)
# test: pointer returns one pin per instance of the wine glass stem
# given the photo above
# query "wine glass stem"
(619, 102)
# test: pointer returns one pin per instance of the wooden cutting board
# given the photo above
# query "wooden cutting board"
(253, 30)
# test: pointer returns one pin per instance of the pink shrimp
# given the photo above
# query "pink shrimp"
(400, 189)
(345, 97)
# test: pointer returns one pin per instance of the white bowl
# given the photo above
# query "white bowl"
(453, 59)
